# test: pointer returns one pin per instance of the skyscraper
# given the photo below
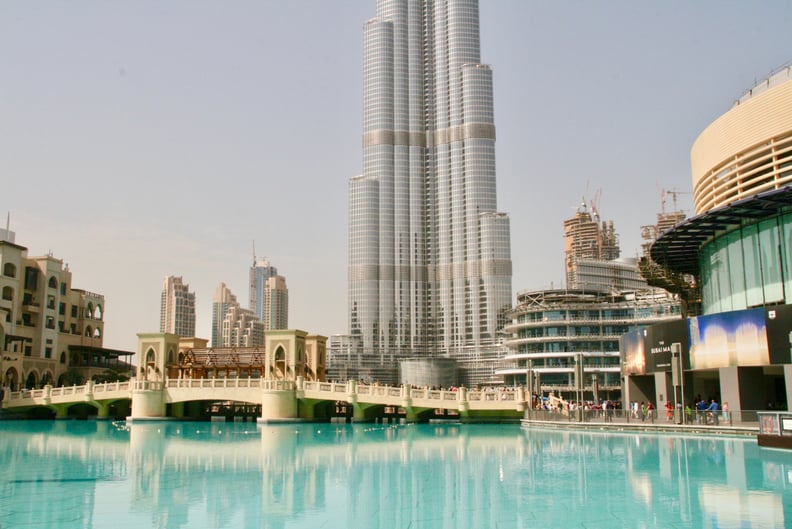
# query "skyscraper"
(223, 300)
(177, 310)
(276, 303)
(429, 255)
(259, 273)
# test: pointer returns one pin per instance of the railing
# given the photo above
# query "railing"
(714, 419)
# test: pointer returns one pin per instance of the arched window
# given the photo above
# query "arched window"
(8, 293)
(170, 357)
(97, 333)
(89, 311)
(63, 357)
(53, 283)
(151, 356)
(88, 331)
(9, 270)
(97, 313)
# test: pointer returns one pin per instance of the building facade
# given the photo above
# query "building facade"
(50, 332)
(223, 300)
(177, 308)
(586, 240)
(232, 325)
(738, 247)
(429, 254)
(552, 331)
(260, 273)
(567, 341)
(241, 328)
(276, 303)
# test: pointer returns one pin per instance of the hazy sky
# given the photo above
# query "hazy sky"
(148, 138)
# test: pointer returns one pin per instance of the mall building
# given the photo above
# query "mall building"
(737, 250)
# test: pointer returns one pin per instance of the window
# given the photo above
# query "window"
(62, 308)
(48, 352)
(74, 311)
(63, 289)
(9, 270)
(31, 278)
(8, 293)
(53, 283)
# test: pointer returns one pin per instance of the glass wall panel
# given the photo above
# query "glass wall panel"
(753, 271)
(771, 265)
(736, 273)
(709, 296)
(786, 252)
(720, 269)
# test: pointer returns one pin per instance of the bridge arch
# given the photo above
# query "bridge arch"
(11, 378)
(31, 381)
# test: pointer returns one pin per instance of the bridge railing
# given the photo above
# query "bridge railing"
(233, 383)
(486, 395)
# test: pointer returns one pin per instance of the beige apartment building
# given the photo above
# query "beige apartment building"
(48, 328)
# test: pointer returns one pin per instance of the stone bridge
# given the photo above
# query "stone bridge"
(279, 399)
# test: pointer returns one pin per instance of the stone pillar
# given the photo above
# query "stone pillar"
(148, 400)
(278, 405)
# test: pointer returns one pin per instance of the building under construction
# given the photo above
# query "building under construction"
(586, 238)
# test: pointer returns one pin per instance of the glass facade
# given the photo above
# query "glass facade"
(551, 328)
(429, 256)
(750, 266)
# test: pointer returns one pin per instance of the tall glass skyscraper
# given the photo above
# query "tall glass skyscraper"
(260, 272)
(429, 255)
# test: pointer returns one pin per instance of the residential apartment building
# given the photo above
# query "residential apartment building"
(276, 303)
(48, 327)
(177, 309)
(232, 325)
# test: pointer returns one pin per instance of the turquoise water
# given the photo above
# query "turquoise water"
(77, 474)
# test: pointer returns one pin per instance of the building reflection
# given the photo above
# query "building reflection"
(181, 474)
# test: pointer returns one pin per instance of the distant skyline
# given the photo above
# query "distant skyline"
(148, 139)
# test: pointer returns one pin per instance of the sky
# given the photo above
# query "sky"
(145, 139)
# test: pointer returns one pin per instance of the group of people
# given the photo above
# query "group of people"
(709, 412)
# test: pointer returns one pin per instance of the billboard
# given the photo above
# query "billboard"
(737, 338)
(633, 353)
(657, 341)
(779, 333)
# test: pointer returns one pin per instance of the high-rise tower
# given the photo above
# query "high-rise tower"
(260, 272)
(429, 255)
(177, 311)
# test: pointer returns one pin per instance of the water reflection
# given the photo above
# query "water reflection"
(172, 475)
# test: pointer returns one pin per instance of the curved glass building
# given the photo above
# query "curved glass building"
(738, 248)
(429, 255)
